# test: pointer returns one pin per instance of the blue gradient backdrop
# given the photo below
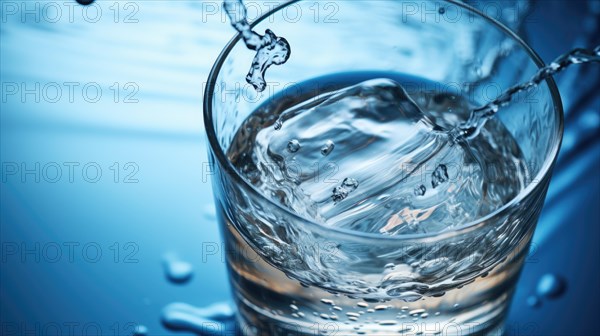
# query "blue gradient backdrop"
(81, 251)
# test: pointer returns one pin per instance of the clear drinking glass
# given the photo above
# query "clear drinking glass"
(291, 276)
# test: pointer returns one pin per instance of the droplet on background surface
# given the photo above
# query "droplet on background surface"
(140, 330)
(533, 301)
(208, 320)
(551, 286)
(177, 271)
(209, 212)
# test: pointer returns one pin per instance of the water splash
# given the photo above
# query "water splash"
(177, 270)
(270, 49)
(481, 115)
(208, 320)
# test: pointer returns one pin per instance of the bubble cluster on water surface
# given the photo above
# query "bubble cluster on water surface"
(340, 193)
(439, 175)
(420, 190)
(365, 317)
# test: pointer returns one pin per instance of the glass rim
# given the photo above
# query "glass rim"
(544, 172)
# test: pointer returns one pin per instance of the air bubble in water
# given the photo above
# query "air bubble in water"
(293, 146)
(340, 193)
(140, 330)
(439, 176)
(388, 323)
(177, 270)
(416, 312)
(327, 148)
(420, 190)
(551, 286)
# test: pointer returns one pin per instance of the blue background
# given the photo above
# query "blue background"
(159, 54)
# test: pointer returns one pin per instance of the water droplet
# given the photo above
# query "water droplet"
(293, 146)
(327, 148)
(439, 176)
(551, 286)
(177, 270)
(351, 314)
(324, 316)
(184, 317)
(140, 330)
(85, 2)
(326, 301)
(362, 304)
(338, 308)
(420, 190)
(389, 266)
(294, 307)
(533, 301)
(442, 10)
